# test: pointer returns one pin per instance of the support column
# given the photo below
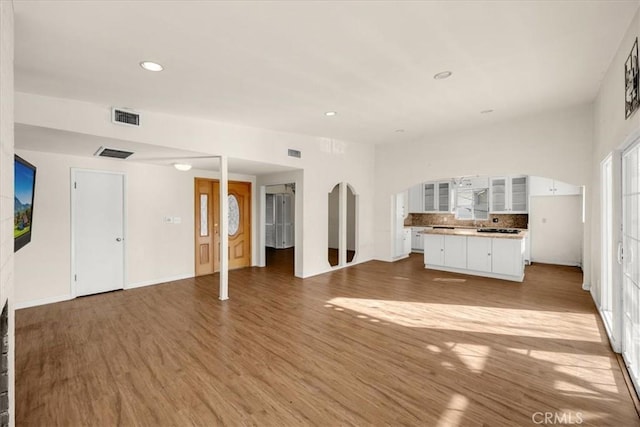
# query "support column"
(224, 229)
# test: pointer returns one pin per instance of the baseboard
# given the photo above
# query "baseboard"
(633, 392)
(60, 298)
(586, 287)
(43, 301)
(556, 262)
(158, 281)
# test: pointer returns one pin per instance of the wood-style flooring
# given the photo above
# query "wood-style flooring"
(374, 344)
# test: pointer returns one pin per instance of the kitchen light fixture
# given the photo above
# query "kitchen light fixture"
(330, 113)
(443, 75)
(182, 166)
(486, 111)
(151, 66)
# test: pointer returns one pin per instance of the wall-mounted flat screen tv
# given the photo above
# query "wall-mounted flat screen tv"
(24, 186)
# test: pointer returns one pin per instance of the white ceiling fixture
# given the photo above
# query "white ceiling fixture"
(330, 113)
(182, 166)
(443, 75)
(374, 71)
(151, 66)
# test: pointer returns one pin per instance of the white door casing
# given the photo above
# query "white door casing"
(97, 229)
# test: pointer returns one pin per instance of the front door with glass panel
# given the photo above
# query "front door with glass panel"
(630, 264)
(207, 225)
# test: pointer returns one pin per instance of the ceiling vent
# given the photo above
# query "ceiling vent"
(122, 116)
(294, 153)
(113, 153)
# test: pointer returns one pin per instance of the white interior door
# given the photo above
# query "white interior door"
(288, 220)
(270, 220)
(98, 231)
(631, 264)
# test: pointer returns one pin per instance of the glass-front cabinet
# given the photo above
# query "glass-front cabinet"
(437, 196)
(509, 194)
(430, 200)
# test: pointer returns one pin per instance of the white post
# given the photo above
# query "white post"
(224, 229)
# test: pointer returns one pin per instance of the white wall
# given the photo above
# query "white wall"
(611, 132)
(279, 189)
(555, 224)
(555, 144)
(155, 251)
(6, 184)
(333, 220)
(352, 201)
(325, 161)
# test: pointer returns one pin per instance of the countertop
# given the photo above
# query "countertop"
(473, 232)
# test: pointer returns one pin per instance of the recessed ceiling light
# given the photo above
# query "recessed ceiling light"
(443, 75)
(486, 111)
(399, 130)
(330, 113)
(182, 166)
(151, 66)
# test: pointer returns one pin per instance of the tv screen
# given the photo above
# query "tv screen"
(24, 184)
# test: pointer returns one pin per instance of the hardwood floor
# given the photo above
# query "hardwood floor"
(374, 344)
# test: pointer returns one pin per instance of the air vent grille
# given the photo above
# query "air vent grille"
(295, 153)
(113, 153)
(125, 117)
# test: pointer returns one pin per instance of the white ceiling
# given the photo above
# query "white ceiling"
(281, 65)
(47, 140)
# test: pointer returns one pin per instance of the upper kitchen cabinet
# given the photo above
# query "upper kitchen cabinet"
(416, 201)
(540, 186)
(509, 194)
(437, 196)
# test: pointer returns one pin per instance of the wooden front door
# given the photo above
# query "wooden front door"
(207, 208)
(239, 224)
(207, 225)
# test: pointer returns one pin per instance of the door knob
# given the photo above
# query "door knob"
(118, 239)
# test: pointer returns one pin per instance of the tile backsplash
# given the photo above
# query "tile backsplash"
(504, 220)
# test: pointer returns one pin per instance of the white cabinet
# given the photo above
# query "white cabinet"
(540, 186)
(406, 237)
(509, 194)
(437, 196)
(416, 200)
(498, 257)
(507, 256)
(455, 251)
(400, 233)
(434, 249)
(430, 196)
(417, 242)
(445, 250)
(479, 254)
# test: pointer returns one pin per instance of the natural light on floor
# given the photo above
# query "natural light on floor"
(470, 318)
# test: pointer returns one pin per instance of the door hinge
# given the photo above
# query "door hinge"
(75, 185)
(75, 277)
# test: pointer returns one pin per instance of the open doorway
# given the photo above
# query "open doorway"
(280, 201)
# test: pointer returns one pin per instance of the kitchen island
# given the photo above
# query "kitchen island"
(496, 253)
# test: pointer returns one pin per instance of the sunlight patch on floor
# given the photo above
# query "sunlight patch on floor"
(473, 356)
(453, 414)
(481, 319)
